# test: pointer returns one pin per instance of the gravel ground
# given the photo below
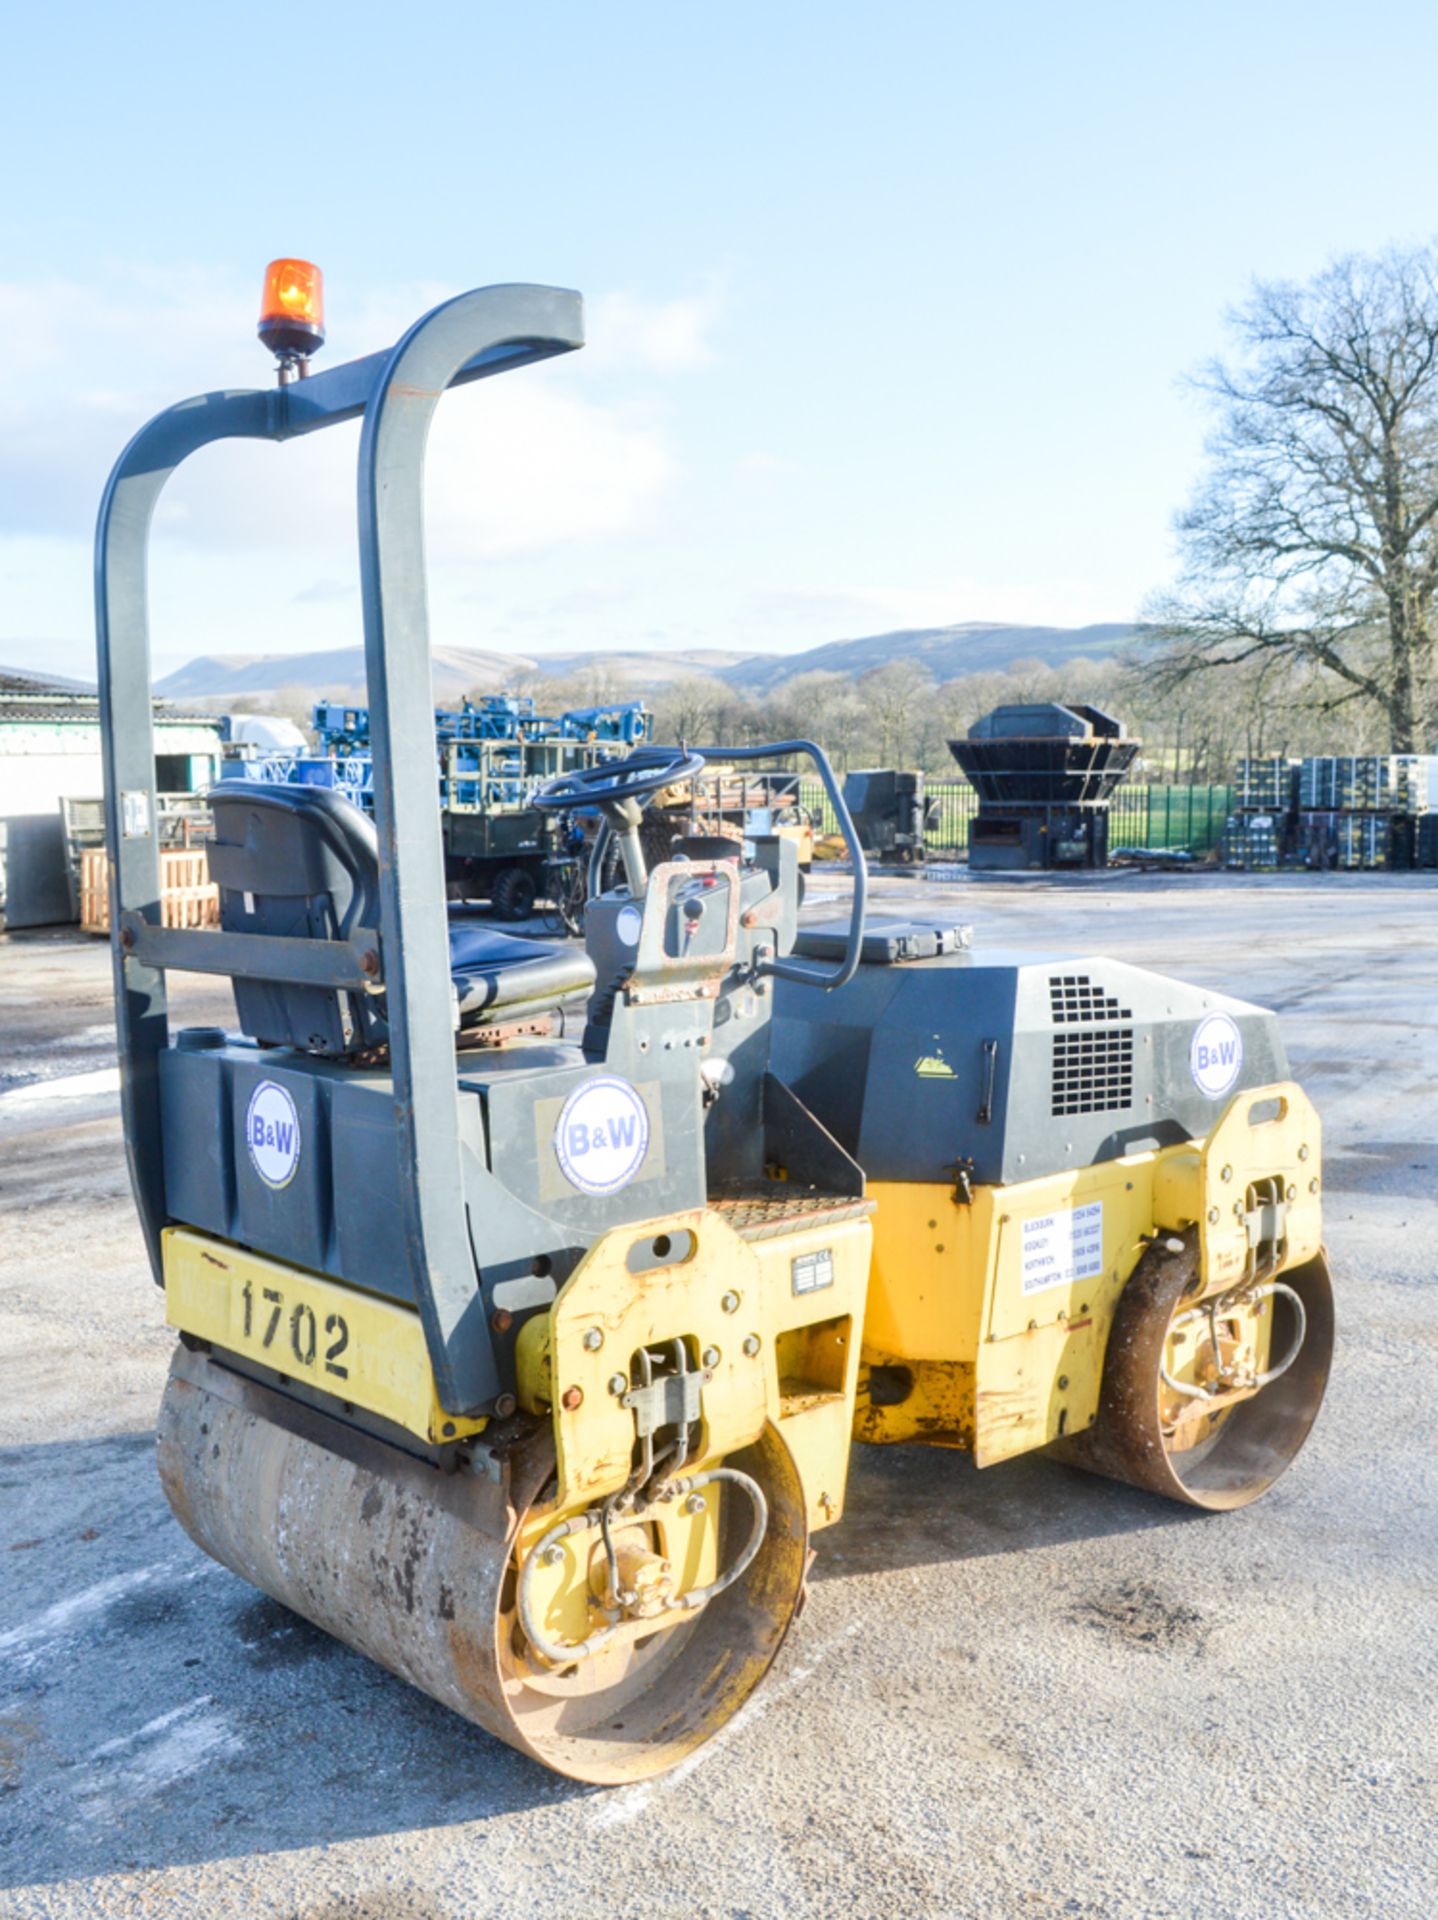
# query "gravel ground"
(1022, 1692)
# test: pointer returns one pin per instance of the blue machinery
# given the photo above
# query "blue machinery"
(491, 753)
(490, 756)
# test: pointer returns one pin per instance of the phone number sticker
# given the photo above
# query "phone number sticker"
(1062, 1247)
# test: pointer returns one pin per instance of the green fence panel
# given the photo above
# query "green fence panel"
(1164, 817)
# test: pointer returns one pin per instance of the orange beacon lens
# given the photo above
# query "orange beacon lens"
(292, 312)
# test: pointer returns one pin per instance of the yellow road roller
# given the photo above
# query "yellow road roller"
(529, 1296)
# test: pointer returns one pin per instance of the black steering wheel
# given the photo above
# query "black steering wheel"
(643, 773)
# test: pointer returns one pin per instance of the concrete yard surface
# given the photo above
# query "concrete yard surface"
(1021, 1692)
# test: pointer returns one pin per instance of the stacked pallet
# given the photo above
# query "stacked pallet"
(188, 896)
(1369, 782)
(1363, 810)
(1259, 830)
(1269, 785)
(1251, 842)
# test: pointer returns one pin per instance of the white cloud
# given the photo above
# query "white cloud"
(516, 464)
(664, 336)
(767, 464)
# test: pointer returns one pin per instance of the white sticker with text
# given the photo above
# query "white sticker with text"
(1063, 1247)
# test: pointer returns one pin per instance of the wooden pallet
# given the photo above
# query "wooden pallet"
(188, 897)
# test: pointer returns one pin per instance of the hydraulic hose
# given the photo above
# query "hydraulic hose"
(560, 1655)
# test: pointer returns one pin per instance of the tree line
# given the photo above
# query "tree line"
(1194, 730)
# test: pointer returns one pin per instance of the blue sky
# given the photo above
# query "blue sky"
(887, 303)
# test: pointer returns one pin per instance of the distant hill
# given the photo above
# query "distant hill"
(336, 670)
(638, 670)
(948, 652)
(340, 671)
(974, 646)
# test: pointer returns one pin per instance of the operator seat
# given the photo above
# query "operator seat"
(303, 863)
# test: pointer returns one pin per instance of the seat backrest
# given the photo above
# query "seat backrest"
(303, 862)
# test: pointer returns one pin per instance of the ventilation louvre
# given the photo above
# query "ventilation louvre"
(1075, 1000)
(1092, 1069)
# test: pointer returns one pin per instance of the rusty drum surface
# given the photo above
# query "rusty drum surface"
(415, 1568)
(1257, 1438)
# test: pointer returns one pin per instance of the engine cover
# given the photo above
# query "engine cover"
(1014, 1064)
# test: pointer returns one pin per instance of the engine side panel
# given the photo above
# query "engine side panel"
(1014, 1066)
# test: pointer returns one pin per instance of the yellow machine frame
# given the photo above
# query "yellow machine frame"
(1001, 1368)
(991, 1364)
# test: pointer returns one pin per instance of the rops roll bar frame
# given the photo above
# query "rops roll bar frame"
(395, 393)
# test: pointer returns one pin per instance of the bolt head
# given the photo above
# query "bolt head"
(1227, 1174)
(593, 1340)
(501, 1319)
(730, 1302)
(710, 1357)
(1303, 1151)
(1313, 1186)
(1213, 1216)
(618, 1385)
(695, 1503)
(573, 1397)
(553, 1554)
(751, 1344)
(504, 1405)
(1292, 1192)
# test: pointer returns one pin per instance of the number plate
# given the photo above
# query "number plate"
(348, 1344)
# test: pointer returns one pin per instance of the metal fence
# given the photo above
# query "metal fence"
(1191, 818)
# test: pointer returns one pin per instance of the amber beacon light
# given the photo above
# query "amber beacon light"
(292, 314)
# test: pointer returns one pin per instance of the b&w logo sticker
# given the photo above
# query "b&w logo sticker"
(602, 1135)
(272, 1134)
(1215, 1057)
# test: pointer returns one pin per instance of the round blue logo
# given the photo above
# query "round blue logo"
(602, 1135)
(272, 1134)
(1215, 1055)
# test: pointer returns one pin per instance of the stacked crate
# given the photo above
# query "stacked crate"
(1426, 849)
(1260, 828)
(1367, 810)
(1251, 841)
(1362, 840)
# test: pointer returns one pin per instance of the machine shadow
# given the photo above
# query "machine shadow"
(156, 1711)
(159, 1712)
(914, 1505)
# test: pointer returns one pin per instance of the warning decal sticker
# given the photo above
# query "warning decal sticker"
(809, 1272)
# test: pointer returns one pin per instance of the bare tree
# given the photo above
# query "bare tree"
(1314, 534)
(894, 694)
(688, 708)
